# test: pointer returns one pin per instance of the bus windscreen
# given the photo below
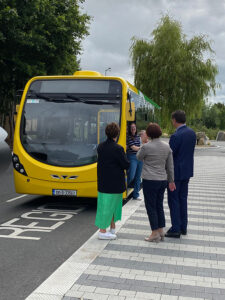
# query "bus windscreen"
(62, 130)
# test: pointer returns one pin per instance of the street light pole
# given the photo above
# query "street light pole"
(108, 69)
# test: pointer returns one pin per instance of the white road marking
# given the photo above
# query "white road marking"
(13, 199)
(18, 228)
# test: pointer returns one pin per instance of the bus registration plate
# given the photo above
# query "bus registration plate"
(64, 192)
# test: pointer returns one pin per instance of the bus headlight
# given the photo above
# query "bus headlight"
(17, 165)
(15, 158)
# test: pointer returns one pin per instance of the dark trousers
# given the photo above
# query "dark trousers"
(177, 201)
(153, 194)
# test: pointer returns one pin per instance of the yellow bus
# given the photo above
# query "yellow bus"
(60, 122)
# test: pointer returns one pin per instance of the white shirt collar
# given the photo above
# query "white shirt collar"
(181, 126)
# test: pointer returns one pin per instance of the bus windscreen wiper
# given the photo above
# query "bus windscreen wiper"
(41, 96)
(86, 101)
(71, 98)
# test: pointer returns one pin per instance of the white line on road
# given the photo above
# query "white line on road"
(13, 199)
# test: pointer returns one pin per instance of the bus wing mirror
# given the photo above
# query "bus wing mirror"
(19, 93)
(5, 152)
(130, 111)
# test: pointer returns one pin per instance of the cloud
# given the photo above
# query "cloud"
(115, 22)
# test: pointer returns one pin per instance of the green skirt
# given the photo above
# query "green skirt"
(109, 205)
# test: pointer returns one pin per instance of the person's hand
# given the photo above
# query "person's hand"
(144, 141)
(172, 186)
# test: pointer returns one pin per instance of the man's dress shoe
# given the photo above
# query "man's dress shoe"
(171, 234)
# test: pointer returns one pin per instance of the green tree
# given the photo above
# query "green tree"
(211, 121)
(221, 114)
(210, 116)
(173, 71)
(213, 116)
(37, 37)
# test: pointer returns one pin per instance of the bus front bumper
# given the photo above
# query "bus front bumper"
(27, 185)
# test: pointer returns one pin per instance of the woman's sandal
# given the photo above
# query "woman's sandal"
(155, 239)
(162, 236)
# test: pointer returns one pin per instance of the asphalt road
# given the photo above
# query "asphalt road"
(37, 234)
(27, 258)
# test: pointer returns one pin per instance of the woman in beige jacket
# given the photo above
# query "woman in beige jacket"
(157, 173)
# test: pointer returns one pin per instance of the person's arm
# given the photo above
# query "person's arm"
(131, 144)
(135, 148)
(170, 171)
(174, 144)
(141, 153)
(122, 159)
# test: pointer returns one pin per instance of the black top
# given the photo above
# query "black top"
(112, 162)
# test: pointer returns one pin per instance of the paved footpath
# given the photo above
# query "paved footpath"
(192, 267)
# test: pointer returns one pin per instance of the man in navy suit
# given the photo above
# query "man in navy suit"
(182, 143)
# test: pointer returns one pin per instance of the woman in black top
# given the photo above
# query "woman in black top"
(112, 162)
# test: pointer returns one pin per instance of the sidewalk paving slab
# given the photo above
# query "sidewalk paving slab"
(192, 267)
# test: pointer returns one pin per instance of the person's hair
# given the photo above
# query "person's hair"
(129, 129)
(142, 131)
(153, 131)
(179, 116)
(112, 130)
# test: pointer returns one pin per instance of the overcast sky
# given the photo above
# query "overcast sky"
(115, 22)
